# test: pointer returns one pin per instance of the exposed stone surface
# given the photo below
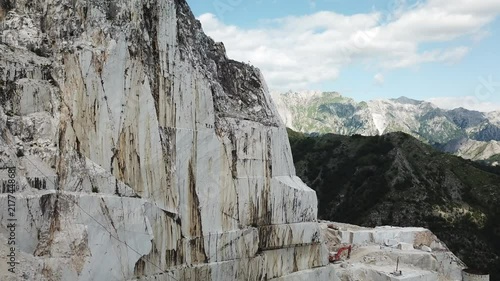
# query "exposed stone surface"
(143, 152)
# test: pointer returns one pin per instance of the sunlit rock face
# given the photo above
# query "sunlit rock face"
(142, 152)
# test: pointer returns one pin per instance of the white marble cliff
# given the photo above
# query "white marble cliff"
(143, 152)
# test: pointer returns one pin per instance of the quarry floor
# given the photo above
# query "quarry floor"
(377, 252)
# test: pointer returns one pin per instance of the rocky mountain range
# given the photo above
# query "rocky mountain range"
(469, 134)
(397, 180)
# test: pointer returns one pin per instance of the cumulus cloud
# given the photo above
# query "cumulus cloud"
(299, 51)
(469, 102)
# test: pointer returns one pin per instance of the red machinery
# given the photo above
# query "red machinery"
(339, 255)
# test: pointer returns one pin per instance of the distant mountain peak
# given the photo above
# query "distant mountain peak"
(465, 110)
(406, 100)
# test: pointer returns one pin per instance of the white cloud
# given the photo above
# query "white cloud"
(469, 102)
(450, 55)
(378, 79)
(298, 51)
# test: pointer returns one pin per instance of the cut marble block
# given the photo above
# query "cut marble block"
(287, 235)
(252, 269)
(238, 244)
(285, 261)
(324, 273)
(292, 201)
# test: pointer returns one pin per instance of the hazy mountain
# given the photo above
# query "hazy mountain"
(330, 112)
(397, 180)
(471, 149)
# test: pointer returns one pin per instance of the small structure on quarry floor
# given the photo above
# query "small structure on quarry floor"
(397, 272)
(474, 275)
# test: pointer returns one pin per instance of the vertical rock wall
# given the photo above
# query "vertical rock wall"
(143, 152)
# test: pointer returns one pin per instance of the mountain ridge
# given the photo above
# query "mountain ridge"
(330, 112)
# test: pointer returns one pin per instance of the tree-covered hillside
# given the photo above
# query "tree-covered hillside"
(395, 179)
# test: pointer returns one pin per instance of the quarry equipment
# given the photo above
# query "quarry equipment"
(397, 272)
(341, 254)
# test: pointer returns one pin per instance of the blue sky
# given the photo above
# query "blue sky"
(427, 50)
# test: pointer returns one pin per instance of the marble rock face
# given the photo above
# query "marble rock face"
(142, 152)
